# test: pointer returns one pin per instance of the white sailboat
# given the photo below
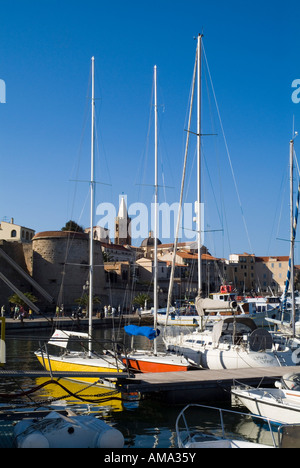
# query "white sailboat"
(292, 327)
(154, 360)
(220, 348)
(235, 343)
(85, 360)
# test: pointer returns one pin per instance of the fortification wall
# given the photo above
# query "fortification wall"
(60, 265)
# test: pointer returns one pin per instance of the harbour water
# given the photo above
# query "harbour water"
(144, 424)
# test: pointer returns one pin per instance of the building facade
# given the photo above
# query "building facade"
(14, 232)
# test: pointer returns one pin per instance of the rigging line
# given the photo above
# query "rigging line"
(228, 154)
(142, 170)
(76, 170)
(223, 215)
(280, 194)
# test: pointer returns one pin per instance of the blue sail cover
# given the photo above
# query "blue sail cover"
(149, 332)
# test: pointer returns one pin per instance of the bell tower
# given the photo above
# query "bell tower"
(122, 224)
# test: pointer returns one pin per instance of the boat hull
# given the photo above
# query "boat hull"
(73, 363)
(235, 358)
(271, 406)
(156, 363)
(178, 320)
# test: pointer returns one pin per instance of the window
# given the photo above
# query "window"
(13, 233)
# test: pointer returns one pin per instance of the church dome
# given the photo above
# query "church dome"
(149, 241)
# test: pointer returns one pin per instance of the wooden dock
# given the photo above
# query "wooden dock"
(201, 385)
(193, 386)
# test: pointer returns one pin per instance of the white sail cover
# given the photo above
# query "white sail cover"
(209, 305)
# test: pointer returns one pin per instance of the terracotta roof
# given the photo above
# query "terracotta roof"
(283, 258)
(60, 234)
(190, 256)
(114, 246)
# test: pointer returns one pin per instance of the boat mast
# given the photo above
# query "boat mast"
(92, 183)
(155, 292)
(181, 191)
(292, 233)
(199, 162)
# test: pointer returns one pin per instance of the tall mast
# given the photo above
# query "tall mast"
(292, 233)
(92, 182)
(199, 163)
(155, 292)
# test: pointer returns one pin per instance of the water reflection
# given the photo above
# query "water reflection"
(144, 424)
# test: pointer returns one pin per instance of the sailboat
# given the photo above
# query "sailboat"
(224, 346)
(292, 327)
(84, 360)
(154, 361)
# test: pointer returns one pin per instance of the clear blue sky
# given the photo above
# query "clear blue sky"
(253, 52)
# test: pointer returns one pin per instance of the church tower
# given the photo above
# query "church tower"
(122, 225)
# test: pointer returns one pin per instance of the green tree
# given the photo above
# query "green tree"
(72, 226)
(15, 299)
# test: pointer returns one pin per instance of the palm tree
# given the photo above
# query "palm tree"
(141, 299)
(84, 300)
(15, 299)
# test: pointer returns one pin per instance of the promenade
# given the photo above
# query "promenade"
(13, 326)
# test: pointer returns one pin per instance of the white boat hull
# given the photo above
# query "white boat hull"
(178, 320)
(282, 406)
(230, 359)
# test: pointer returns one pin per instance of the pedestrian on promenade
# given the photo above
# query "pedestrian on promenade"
(17, 310)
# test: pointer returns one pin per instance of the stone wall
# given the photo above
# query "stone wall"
(60, 265)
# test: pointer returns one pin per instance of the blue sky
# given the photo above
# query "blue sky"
(252, 50)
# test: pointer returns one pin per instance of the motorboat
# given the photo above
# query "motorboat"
(258, 309)
(193, 433)
(281, 403)
(185, 316)
(234, 343)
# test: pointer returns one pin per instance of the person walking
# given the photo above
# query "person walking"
(17, 311)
